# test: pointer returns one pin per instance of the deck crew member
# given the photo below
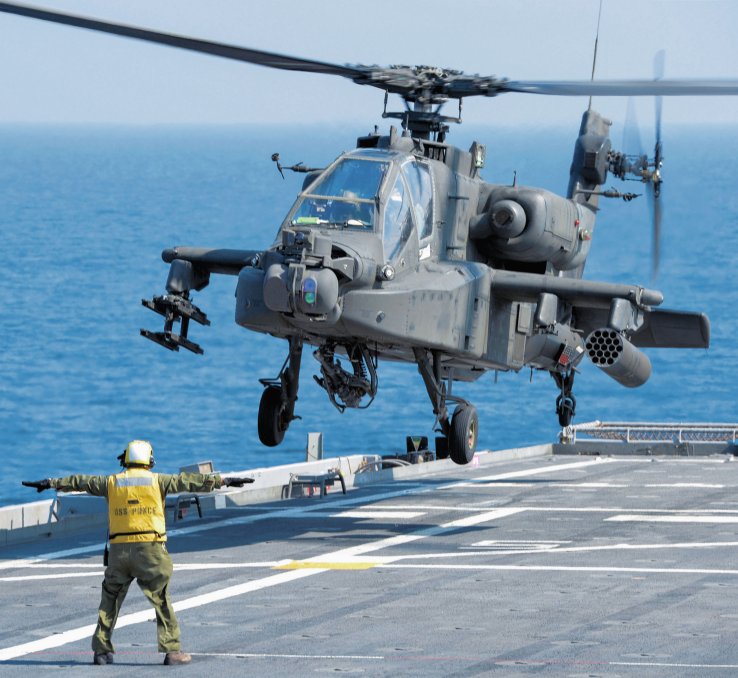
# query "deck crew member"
(137, 536)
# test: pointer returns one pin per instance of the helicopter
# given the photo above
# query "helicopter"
(399, 250)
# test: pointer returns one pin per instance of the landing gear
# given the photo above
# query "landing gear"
(566, 403)
(271, 424)
(463, 433)
(459, 440)
(277, 404)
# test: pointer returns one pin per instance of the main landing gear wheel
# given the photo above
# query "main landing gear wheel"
(459, 434)
(462, 439)
(271, 421)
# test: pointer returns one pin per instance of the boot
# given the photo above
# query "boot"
(177, 657)
(102, 658)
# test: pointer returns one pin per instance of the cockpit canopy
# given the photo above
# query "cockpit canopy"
(374, 191)
(346, 196)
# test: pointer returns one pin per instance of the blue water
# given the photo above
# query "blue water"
(85, 213)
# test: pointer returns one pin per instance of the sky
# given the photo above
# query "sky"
(59, 74)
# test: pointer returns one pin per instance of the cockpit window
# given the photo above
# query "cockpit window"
(421, 188)
(360, 177)
(398, 223)
(345, 196)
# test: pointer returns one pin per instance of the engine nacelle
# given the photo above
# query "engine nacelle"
(618, 358)
(533, 225)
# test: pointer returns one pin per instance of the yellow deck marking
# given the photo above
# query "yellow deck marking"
(317, 565)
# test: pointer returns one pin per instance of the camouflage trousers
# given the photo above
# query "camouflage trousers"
(150, 565)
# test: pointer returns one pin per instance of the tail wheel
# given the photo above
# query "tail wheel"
(270, 423)
(462, 439)
(566, 407)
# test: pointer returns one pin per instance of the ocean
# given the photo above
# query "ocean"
(86, 211)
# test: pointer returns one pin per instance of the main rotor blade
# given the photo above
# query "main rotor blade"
(254, 56)
(421, 83)
(618, 88)
(658, 74)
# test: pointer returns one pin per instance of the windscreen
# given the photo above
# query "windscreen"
(344, 197)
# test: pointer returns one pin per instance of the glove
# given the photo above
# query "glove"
(40, 485)
(236, 482)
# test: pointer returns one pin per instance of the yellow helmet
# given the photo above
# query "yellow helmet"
(138, 453)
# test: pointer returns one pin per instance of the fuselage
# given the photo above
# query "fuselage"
(395, 245)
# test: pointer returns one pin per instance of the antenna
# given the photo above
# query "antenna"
(594, 56)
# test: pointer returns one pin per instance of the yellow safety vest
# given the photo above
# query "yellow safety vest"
(135, 507)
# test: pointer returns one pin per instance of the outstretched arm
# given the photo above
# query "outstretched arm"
(189, 482)
(198, 482)
(96, 485)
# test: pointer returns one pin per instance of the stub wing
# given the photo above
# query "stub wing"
(574, 291)
(597, 305)
(660, 328)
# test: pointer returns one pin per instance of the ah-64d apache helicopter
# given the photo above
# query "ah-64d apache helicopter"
(399, 250)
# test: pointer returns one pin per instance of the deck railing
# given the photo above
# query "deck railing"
(655, 432)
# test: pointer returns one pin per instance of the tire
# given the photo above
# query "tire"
(565, 408)
(271, 428)
(462, 440)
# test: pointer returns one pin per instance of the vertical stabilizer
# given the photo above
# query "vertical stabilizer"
(589, 165)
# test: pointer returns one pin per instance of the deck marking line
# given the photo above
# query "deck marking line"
(378, 514)
(63, 575)
(177, 567)
(555, 568)
(482, 517)
(676, 665)
(632, 511)
(226, 566)
(544, 469)
(554, 484)
(552, 548)
(23, 562)
(681, 485)
(640, 518)
(60, 566)
(264, 655)
(579, 509)
(254, 655)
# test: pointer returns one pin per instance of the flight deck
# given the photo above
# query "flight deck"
(522, 562)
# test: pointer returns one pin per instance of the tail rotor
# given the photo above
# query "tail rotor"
(632, 164)
(655, 179)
